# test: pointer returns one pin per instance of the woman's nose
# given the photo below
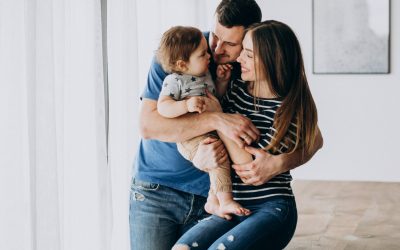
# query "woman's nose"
(239, 59)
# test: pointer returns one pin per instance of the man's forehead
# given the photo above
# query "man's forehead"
(233, 34)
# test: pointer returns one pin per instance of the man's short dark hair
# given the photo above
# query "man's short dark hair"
(238, 13)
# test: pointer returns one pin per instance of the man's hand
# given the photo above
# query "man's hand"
(236, 127)
(196, 104)
(210, 154)
(264, 167)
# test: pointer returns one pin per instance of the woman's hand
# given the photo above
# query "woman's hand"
(263, 168)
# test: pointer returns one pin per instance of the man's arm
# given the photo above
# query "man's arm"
(154, 126)
(265, 166)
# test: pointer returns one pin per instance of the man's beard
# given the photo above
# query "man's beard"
(224, 58)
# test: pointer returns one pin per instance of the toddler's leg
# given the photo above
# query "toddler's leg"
(188, 149)
(221, 192)
(220, 201)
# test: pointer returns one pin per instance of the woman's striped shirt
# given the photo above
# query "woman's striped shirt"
(238, 100)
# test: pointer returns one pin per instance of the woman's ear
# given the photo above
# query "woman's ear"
(181, 65)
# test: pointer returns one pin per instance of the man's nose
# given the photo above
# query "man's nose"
(219, 48)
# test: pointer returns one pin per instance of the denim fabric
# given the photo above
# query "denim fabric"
(270, 226)
(160, 215)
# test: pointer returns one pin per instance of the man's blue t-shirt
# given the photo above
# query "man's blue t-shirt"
(160, 162)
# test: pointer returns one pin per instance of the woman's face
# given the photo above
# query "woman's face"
(246, 59)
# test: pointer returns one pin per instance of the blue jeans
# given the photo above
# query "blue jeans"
(270, 226)
(159, 215)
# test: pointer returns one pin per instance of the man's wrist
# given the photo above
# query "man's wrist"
(213, 119)
(185, 104)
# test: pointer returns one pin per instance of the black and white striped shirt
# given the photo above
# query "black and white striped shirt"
(238, 100)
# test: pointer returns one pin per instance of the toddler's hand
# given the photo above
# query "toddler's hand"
(224, 72)
(196, 104)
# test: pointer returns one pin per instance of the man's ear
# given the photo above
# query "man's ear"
(181, 65)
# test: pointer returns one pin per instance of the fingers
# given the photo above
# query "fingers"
(219, 152)
(240, 168)
(249, 132)
(247, 176)
(209, 140)
(251, 150)
(196, 104)
(226, 67)
(247, 139)
(253, 132)
(238, 140)
(198, 109)
(224, 71)
(223, 159)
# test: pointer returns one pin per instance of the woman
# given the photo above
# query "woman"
(275, 95)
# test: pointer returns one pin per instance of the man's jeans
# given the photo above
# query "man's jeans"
(270, 226)
(160, 215)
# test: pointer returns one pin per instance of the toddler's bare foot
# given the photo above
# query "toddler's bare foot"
(232, 207)
(224, 211)
(212, 206)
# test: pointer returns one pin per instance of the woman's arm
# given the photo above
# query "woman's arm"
(265, 166)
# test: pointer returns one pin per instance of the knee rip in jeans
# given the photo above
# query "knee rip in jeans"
(138, 196)
(207, 218)
(221, 246)
(182, 247)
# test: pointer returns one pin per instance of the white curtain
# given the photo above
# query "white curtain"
(57, 189)
(54, 178)
(123, 105)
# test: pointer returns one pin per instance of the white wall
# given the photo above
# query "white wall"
(358, 114)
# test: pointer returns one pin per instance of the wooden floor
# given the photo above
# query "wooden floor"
(347, 215)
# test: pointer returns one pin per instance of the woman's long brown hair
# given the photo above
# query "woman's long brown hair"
(279, 61)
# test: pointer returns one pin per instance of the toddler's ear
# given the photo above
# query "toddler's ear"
(181, 65)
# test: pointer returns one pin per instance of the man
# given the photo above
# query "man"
(168, 193)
